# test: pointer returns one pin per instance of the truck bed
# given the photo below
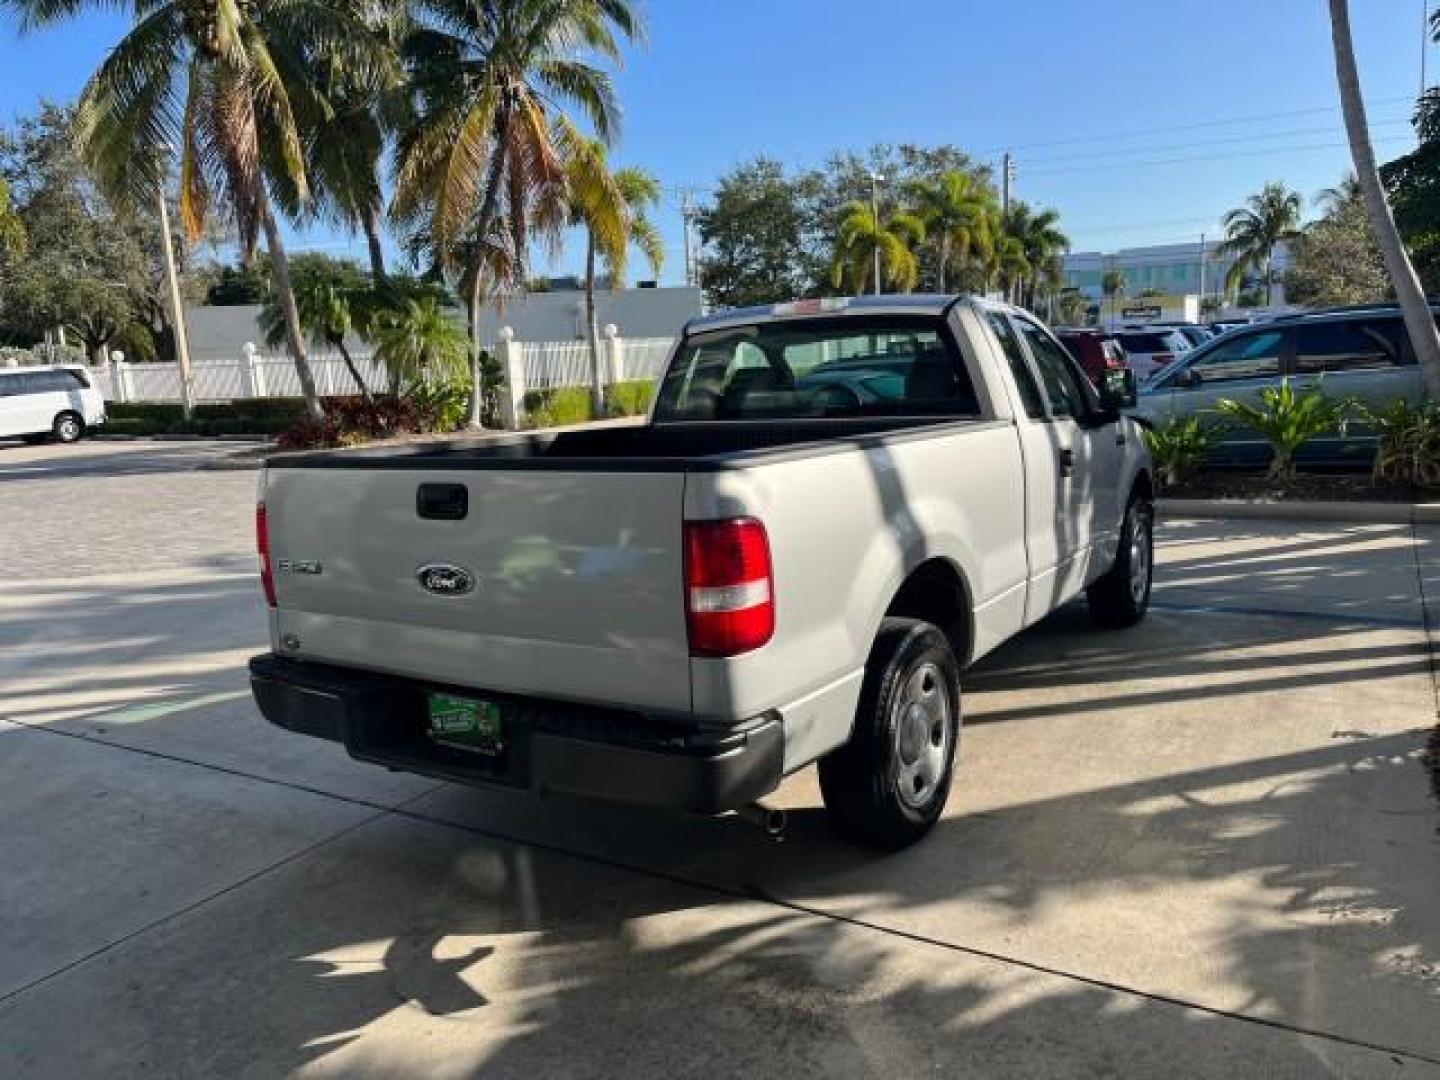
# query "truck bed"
(676, 447)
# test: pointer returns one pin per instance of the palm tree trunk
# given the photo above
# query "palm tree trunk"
(597, 374)
(371, 224)
(354, 371)
(944, 258)
(294, 338)
(1419, 322)
(476, 420)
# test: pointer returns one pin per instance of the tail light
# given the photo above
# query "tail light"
(729, 587)
(262, 545)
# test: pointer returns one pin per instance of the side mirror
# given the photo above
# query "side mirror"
(1117, 391)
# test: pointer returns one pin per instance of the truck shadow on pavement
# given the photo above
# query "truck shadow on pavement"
(1100, 914)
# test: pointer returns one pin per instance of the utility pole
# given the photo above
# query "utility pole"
(875, 179)
(177, 308)
(687, 214)
(1424, 42)
(1007, 177)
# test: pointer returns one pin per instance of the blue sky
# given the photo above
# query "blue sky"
(1141, 123)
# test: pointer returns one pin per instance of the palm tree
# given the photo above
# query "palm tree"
(957, 209)
(1112, 284)
(1042, 243)
(859, 237)
(1006, 264)
(1419, 322)
(489, 136)
(419, 340)
(326, 316)
(221, 81)
(1253, 231)
(343, 149)
(612, 209)
(1332, 200)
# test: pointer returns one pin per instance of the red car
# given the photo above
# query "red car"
(1095, 351)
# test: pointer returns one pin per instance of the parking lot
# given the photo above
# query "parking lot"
(1206, 846)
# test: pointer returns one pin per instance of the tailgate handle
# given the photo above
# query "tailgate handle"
(442, 502)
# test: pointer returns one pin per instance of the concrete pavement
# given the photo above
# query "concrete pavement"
(1203, 847)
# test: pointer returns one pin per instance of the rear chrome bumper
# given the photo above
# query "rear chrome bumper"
(550, 747)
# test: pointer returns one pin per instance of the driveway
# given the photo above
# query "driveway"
(1203, 847)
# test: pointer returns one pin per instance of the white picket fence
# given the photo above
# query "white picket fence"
(531, 365)
(549, 365)
(233, 380)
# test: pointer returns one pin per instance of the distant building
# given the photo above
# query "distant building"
(1174, 269)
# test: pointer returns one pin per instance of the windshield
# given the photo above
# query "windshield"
(814, 368)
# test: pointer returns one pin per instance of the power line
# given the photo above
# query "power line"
(1143, 132)
(1113, 166)
(1228, 141)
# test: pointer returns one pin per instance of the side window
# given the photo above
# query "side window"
(9, 386)
(1063, 384)
(1015, 356)
(1246, 356)
(1351, 345)
(50, 382)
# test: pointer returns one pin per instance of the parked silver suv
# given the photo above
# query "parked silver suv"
(1359, 353)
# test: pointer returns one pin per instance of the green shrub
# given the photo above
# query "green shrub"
(260, 416)
(1407, 441)
(1287, 419)
(283, 409)
(155, 413)
(125, 426)
(558, 407)
(442, 406)
(1179, 447)
(629, 398)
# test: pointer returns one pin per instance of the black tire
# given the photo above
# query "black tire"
(1122, 597)
(863, 782)
(69, 427)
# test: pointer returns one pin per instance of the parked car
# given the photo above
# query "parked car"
(1097, 352)
(1151, 350)
(1363, 354)
(1195, 334)
(763, 576)
(38, 403)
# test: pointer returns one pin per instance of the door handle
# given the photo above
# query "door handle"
(1067, 461)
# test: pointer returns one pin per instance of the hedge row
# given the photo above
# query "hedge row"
(260, 416)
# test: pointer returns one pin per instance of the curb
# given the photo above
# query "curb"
(1366, 513)
(96, 437)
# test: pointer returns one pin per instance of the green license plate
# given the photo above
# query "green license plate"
(466, 724)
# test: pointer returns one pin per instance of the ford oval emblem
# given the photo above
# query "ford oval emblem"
(445, 579)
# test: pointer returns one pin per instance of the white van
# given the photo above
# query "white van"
(37, 403)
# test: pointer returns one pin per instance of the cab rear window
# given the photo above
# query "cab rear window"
(816, 368)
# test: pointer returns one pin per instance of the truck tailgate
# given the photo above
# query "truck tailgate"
(577, 579)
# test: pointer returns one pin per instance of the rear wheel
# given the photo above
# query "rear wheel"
(68, 427)
(889, 784)
(1122, 596)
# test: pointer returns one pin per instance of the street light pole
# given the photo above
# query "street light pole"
(875, 179)
(177, 308)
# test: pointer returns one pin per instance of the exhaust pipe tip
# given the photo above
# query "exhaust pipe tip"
(771, 820)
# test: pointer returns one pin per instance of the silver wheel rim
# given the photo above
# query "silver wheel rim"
(1140, 555)
(68, 428)
(922, 736)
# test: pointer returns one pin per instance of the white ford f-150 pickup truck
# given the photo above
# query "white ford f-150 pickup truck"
(834, 508)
